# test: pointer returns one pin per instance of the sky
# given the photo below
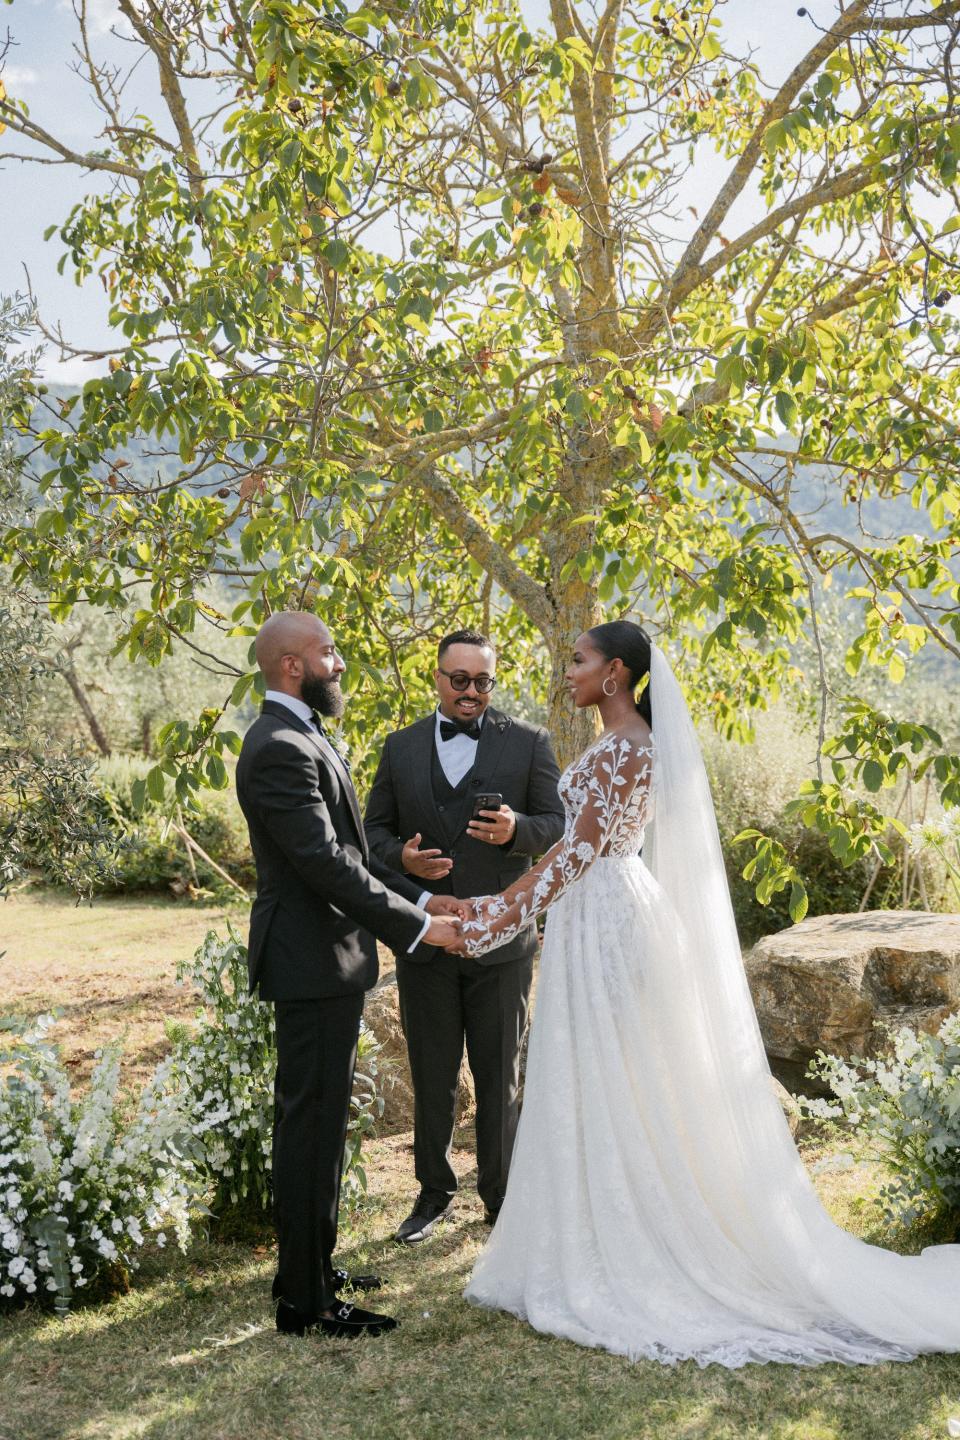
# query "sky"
(38, 70)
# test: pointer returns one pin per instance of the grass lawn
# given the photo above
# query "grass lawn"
(191, 1351)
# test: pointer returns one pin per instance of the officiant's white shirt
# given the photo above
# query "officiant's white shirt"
(303, 712)
(456, 755)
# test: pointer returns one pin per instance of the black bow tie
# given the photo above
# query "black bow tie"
(449, 728)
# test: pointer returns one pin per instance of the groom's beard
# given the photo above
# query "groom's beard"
(324, 696)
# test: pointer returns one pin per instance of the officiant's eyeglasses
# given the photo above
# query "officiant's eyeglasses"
(460, 680)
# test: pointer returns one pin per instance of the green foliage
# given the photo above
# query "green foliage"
(752, 786)
(48, 802)
(545, 401)
(906, 1110)
(148, 852)
(156, 857)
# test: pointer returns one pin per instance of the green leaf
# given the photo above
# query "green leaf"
(786, 408)
(799, 901)
(156, 783)
(872, 774)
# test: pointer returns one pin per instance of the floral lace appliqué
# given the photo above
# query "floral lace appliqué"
(606, 795)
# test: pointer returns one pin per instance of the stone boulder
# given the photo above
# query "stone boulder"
(825, 983)
(382, 1014)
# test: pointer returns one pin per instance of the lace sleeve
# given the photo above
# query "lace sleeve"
(611, 776)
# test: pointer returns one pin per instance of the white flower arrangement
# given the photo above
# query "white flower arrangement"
(906, 1105)
(941, 836)
(224, 1070)
(79, 1191)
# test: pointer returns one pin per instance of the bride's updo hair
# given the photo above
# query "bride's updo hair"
(623, 640)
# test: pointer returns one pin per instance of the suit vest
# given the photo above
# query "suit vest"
(454, 802)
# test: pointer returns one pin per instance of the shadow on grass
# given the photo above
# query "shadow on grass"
(192, 1351)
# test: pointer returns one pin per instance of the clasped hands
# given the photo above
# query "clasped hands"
(447, 914)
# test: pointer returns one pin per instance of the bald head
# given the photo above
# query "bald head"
(296, 653)
(288, 634)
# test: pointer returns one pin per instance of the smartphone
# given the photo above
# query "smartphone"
(492, 801)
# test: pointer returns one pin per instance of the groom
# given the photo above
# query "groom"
(321, 900)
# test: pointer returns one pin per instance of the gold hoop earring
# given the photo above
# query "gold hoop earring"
(609, 693)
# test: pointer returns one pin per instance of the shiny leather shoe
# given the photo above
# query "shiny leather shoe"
(423, 1219)
(345, 1322)
(343, 1280)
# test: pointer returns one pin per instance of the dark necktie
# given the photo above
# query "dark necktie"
(449, 728)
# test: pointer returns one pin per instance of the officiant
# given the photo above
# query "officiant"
(463, 800)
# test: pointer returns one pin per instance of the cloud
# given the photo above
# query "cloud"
(68, 372)
(102, 16)
(18, 77)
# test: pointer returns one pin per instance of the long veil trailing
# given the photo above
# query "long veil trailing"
(779, 1255)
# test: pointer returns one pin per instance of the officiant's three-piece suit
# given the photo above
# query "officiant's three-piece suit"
(327, 888)
(448, 1000)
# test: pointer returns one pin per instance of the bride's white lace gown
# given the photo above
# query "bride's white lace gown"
(657, 1206)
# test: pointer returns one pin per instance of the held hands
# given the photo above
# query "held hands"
(425, 864)
(496, 828)
(446, 913)
(450, 905)
(444, 931)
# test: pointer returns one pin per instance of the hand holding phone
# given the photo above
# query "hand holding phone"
(490, 800)
(492, 822)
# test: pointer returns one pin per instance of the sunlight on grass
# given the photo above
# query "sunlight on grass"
(191, 1350)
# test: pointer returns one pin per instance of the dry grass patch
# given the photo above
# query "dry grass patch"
(108, 968)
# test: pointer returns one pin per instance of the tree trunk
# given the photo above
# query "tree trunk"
(571, 730)
(83, 700)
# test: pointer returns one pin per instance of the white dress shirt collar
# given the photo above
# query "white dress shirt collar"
(299, 707)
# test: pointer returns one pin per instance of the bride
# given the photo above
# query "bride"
(656, 1205)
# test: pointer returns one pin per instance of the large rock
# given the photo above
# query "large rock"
(382, 1014)
(825, 983)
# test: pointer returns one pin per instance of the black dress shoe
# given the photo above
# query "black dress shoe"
(422, 1221)
(343, 1280)
(345, 1322)
(490, 1216)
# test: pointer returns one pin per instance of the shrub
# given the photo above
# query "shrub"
(225, 1069)
(751, 785)
(906, 1106)
(80, 1192)
(152, 856)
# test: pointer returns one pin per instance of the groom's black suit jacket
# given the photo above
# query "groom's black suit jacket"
(514, 758)
(321, 897)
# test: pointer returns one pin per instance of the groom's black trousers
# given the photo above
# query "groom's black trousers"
(316, 1054)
